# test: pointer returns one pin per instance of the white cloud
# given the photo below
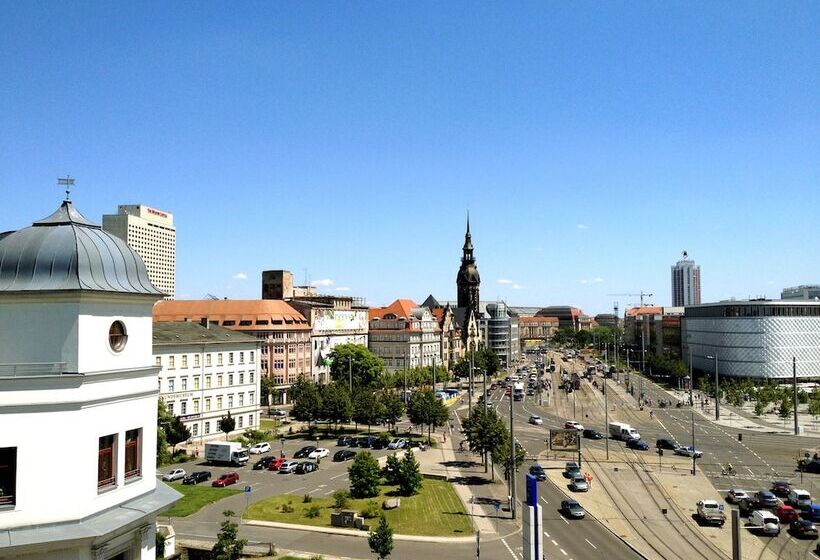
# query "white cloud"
(517, 287)
(342, 289)
(505, 281)
(770, 282)
(582, 226)
(596, 280)
(324, 282)
(240, 276)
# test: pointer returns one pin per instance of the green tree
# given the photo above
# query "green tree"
(227, 424)
(336, 405)
(266, 386)
(409, 478)
(760, 407)
(365, 366)
(164, 420)
(501, 454)
(366, 408)
(381, 540)
(485, 431)
(814, 406)
(307, 402)
(484, 360)
(228, 546)
(427, 410)
(391, 469)
(393, 408)
(786, 406)
(364, 476)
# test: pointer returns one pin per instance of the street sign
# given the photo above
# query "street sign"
(497, 505)
(247, 489)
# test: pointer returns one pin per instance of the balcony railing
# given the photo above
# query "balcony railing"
(34, 369)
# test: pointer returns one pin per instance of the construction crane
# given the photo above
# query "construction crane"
(642, 295)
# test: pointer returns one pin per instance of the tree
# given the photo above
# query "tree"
(266, 385)
(485, 431)
(227, 424)
(336, 405)
(364, 476)
(228, 546)
(391, 469)
(814, 406)
(426, 409)
(760, 407)
(393, 408)
(484, 360)
(365, 366)
(409, 477)
(164, 420)
(366, 408)
(786, 406)
(341, 498)
(381, 540)
(307, 402)
(501, 454)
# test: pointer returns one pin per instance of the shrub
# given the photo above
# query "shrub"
(287, 508)
(307, 499)
(313, 511)
(341, 498)
(371, 510)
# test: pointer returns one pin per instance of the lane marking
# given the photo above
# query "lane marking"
(296, 489)
(590, 544)
(546, 534)
(504, 542)
(338, 475)
(555, 543)
(545, 500)
(564, 552)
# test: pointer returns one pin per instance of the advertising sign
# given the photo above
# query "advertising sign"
(335, 320)
(565, 440)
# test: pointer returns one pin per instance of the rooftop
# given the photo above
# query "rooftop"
(174, 332)
(243, 314)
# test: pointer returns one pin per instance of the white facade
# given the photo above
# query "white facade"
(685, 283)
(151, 233)
(406, 343)
(60, 376)
(201, 383)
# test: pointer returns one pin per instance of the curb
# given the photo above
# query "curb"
(352, 533)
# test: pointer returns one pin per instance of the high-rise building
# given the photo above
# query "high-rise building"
(685, 282)
(801, 293)
(151, 233)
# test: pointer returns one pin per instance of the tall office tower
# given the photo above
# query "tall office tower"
(685, 282)
(151, 233)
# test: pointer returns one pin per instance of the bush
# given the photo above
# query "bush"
(341, 498)
(287, 508)
(313, 511)
(307, 499)
(371, 510)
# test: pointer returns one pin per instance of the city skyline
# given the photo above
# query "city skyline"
(293, 141)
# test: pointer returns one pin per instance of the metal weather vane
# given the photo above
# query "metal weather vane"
(68, 183)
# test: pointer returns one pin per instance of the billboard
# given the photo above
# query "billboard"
(565, 440)
(335, 320)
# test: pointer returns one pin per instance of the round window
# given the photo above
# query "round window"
(117, 336)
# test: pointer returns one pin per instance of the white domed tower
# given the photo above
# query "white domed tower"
(78, 395)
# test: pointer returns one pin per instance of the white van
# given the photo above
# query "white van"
(765, 522)
(799, 498)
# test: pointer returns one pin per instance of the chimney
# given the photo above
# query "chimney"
(205, 322)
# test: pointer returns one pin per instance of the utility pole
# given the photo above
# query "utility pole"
(470, 387)
(405, 399)
(693, 442)
(606, 419)
(643, 348)
(350, 372)
(717, 389)
(512, 459)
(736, 553)
(691, 380)
(794, 396)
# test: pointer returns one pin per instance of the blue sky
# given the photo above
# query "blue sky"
(591, 142)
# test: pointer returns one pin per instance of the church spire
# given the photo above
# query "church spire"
(468, 241)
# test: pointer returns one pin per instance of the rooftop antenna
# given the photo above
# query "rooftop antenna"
(685, 254)
(67, 182)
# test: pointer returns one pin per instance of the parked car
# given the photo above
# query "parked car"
(765, 499)
(735, 495)
(785, 514)
(365, 441)
(175, 474)
(306, 467)
(765, 522)
(781, 488)
(538, 472)
(638, 444)
(536, 420)
(397, 443)
(572, 509)
(288, 467)
(259, 448)
(711, 512)
(263, 463)
(804, 529)
(278, 413)
(380, 443)
(593, 434)
(344, 441)
(689, 451)
(226, 479)
(304, 452)
(812, 513)
(571, 469)
(276, 463)
(417, 444)
(343, 455)
(798, 498)
(579, 484)
(318, 453)
(573, 425)
(666, 444)
(197, 477)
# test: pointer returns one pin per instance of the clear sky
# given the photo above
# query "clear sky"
(591, 142)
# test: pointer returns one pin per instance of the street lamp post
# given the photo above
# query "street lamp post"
(606, 419)
(717, 386)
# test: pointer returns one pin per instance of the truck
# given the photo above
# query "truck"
(711, 513)
(622, 431)
(226, 453)
(518, 391)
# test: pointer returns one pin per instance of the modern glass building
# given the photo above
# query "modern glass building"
(756, 338)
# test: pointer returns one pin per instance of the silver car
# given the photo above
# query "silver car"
(288, 467)
(579, 484)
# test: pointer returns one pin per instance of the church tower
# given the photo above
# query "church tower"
(468, 280)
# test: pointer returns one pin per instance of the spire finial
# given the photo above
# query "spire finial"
(66, 182)
(468, 222)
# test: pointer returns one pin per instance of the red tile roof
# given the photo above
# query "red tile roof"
(400, 308)
(646, 310)
(277, 314)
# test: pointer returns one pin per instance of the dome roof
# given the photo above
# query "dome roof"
(65, 251)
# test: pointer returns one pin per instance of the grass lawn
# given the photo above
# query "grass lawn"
(435, 511)
(196, 497)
